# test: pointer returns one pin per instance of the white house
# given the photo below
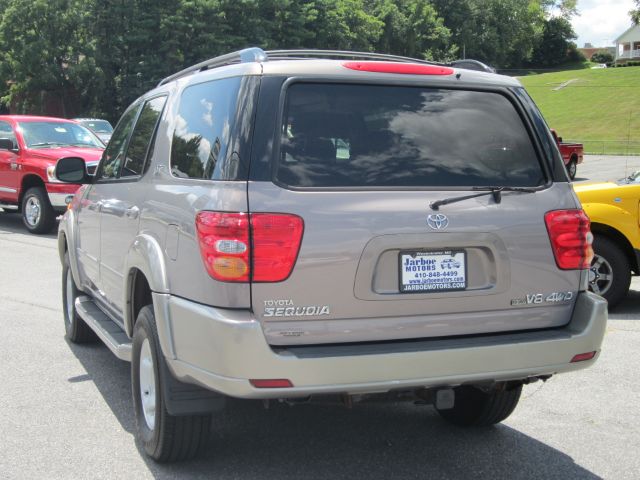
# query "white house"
(628, 45)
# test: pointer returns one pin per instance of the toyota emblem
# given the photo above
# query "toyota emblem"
(438, 221)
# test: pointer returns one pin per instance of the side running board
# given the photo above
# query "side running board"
(109, 332)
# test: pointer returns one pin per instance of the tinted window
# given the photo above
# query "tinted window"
(544, 134)
(142, 136)
(114, 154)
(383, 136)
(203, 130)
(6, 131)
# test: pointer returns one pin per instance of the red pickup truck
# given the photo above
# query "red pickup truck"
(572, 154)
(30, 147)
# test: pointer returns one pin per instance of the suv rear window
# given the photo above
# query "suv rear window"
(336, 135)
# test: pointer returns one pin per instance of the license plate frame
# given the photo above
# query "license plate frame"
(435, 259)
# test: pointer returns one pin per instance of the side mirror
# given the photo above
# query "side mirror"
(559, 139)
(7, 144)
(72, 170)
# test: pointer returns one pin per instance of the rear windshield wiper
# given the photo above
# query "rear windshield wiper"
(495, 191)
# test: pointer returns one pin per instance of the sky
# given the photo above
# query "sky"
(600, 21)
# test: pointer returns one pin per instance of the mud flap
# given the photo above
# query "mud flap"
(187, 399)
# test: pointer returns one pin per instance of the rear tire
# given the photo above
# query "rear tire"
(475, 408)
(572, 168)
(37, 213)
(164, 437)
(610, 272)
(76, 330)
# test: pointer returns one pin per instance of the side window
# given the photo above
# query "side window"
(203, 129)
(142, 137)
(113, 156)
(6, 131)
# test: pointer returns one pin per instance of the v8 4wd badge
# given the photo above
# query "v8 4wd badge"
(539, 298)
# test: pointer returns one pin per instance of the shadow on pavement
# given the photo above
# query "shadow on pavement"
(372, 440)
(628, 309)
(12, 223)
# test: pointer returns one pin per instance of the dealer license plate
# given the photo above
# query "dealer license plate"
(440, 271)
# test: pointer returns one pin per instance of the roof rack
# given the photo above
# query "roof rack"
(247, 55)
(256, 54)
(470, 64)
(306, 54)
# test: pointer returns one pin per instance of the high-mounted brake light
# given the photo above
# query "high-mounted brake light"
(571, 238)
(396, 67)
(242, 247)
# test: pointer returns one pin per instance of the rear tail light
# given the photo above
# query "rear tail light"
(276, 241)
(224, 245)
(397, 67)
(570, 238)
(242, 247)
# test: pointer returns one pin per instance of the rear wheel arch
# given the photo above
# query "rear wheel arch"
(139, 296)
(145, 260)
(617, 237)
(63, 248)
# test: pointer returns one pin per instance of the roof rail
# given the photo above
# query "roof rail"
(305, 54)
(247, 55)
(256, 54)
(470, 64)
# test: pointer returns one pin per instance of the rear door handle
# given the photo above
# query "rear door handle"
(132, 212)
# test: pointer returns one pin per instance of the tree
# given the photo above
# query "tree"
(555, 47)
(635, 13)
(566, 8)
(502, 33)
(45, 48)
(412, 28)
(602, 56)
(99, 55)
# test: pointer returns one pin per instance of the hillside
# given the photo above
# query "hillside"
(600, 107)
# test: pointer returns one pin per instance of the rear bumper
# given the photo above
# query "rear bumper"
(222, 349)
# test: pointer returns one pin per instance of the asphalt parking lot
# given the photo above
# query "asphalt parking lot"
(66, 409)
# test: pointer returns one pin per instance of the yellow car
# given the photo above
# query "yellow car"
(614, 209)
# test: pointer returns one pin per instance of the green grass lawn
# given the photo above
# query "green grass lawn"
(600, 107)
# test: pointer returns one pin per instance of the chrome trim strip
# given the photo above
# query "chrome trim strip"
(8, 190)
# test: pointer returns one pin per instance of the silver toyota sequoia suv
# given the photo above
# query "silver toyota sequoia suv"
(295, 224)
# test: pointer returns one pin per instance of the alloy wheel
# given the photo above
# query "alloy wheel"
(147, 384)
(600, 275)
(33, 211)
